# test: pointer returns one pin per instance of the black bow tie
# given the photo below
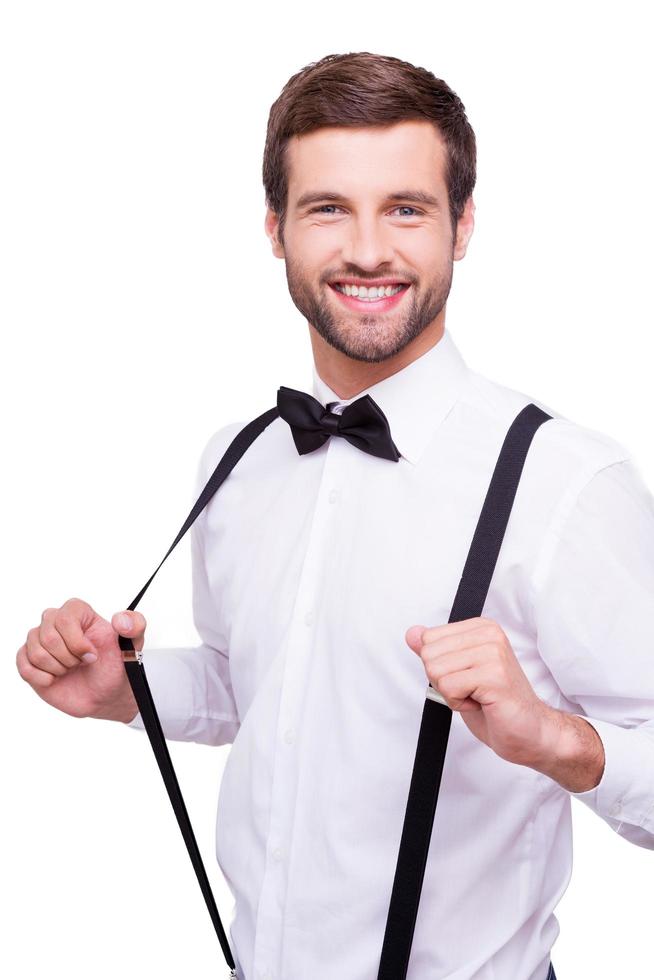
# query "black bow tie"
(362, 423)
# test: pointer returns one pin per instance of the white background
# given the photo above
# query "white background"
(142, 309)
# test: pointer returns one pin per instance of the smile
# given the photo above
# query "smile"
(373, 298)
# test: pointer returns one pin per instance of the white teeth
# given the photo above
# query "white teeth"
(368, 292)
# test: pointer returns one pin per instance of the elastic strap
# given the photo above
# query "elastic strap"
(138, 680)
(437, 716)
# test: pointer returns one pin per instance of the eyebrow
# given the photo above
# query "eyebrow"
(420, 197)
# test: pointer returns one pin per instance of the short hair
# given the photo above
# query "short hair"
(365, 89)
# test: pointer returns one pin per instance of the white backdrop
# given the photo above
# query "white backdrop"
(142, 309)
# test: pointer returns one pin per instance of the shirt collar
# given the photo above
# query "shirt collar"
(416, 399)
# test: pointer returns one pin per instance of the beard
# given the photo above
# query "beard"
(375, 337)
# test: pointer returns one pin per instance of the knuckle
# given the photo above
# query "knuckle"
(445, 686)
(33, 640)
(47, 613)
(79, 603)
(65, 620)
(38, 657)
(49, 637)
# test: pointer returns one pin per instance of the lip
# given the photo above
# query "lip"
(380, 305)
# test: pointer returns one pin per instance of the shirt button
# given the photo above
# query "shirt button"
(308, 619)
(289, 736)
(333, 496)
(616, 809)
(277, 854)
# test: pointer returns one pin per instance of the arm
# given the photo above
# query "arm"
(572, 753)
(594, 613)
(191, 687)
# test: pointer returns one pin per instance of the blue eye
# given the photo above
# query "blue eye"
(321, 209)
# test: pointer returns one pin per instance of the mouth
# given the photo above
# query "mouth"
(370, 298)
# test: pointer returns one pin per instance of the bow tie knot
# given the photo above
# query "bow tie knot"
(362, 423)
(330, 421)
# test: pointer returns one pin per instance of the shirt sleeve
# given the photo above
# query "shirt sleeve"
(191, 687)
(594, 613)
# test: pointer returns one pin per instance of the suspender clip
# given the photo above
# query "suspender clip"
(435, 695)
(132, 655)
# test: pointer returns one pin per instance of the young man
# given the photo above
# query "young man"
(323, 578)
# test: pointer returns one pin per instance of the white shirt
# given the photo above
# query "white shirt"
(307, 571)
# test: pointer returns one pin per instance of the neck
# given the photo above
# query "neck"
(347, 376)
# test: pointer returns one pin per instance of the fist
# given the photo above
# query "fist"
(472, 664)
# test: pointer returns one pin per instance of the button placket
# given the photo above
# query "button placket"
(297, 662)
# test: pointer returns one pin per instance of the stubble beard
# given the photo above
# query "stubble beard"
(372, 338)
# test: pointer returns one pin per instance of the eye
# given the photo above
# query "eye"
(407, 207)
(321, 208)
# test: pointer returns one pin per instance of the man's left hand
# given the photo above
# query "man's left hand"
(472, 665)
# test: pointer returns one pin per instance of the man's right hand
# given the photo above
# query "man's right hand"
(53, 662)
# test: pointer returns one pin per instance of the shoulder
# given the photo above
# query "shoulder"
(573, 450)
(217, 444)
(267, 450)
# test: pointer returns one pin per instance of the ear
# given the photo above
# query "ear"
(464, 229)
(271, 225)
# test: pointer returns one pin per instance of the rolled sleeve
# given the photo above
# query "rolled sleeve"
(594, 613)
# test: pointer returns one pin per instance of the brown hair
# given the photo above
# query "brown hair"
(364, 89)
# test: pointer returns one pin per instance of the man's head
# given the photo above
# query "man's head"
(369, 168)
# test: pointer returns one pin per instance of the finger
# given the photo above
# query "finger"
(39, 657)
(51, 640)
(458, 704)
(440, 665)
(34, 676)
(81, 611)
(132, 624)
(483, 635)
(413, 637)
(69, 622)
(460, 627)
(473, 683)
(473, 655)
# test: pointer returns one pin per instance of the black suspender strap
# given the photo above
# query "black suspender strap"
(436, 719)
(437, 716)
(138, 680)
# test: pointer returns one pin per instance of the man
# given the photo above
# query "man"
(323, 579)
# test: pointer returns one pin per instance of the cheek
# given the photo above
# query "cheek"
(319, 249)
(427, 250)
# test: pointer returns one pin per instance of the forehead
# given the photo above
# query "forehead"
(367, 159)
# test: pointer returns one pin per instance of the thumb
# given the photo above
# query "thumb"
(129, 623)
(413, 637)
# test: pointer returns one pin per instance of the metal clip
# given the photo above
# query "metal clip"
(435, 695)
(133, 655)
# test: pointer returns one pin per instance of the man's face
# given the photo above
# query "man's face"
(367, 211)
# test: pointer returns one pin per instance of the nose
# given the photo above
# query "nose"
(367, 245)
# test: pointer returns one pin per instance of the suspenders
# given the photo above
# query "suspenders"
(437, 716)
